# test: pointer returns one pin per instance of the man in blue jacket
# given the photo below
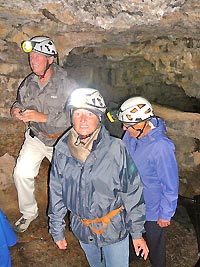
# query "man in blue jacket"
(153, 154)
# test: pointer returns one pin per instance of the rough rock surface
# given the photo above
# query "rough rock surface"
(7, 164)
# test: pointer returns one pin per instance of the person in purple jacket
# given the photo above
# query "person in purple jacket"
(154, 155)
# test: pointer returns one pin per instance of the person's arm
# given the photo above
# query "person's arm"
(17, 107)
(133, 201)
(56, 209)
(32, 115)
(132, 196)
(167, 171)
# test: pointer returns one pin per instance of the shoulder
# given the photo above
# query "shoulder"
(162, 145)
(62, 74)
(59, 71)
(26, 81)
(116, 146)
(61, 143)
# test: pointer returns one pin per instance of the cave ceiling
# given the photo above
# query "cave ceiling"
(104, 23)
(165, 33)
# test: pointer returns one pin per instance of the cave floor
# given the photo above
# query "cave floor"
(36, 248)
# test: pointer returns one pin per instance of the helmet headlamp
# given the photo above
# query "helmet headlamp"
(27, 46)
(40, 44)
(112, 115)
(78, 100)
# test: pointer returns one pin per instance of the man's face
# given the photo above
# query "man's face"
(84, 121)
(38, 62)
(134, 130)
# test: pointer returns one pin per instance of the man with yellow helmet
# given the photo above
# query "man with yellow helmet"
(40, 105)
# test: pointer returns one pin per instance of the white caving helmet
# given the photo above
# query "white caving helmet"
(135, 110)
(86, 98)
(41, 44)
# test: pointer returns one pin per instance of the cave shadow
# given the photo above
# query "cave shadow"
(188, 214)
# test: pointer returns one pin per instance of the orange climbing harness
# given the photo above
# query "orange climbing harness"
(105, 220)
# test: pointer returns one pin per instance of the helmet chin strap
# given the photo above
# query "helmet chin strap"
(46, 69)
(80, 138)
(140, 130)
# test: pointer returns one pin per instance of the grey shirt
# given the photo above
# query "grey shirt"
(48, 99)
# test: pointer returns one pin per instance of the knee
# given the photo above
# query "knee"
(22, 171)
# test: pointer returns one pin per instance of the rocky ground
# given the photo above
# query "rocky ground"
(35, 247)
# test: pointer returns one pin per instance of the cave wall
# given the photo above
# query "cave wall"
(131, 75)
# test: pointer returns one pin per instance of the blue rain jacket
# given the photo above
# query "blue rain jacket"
(154, 156)
(8, 238)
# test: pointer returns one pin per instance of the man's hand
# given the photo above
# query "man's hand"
(62, 244)
(33, 115)
(17, 113)
(141, 246)
(163, 223)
